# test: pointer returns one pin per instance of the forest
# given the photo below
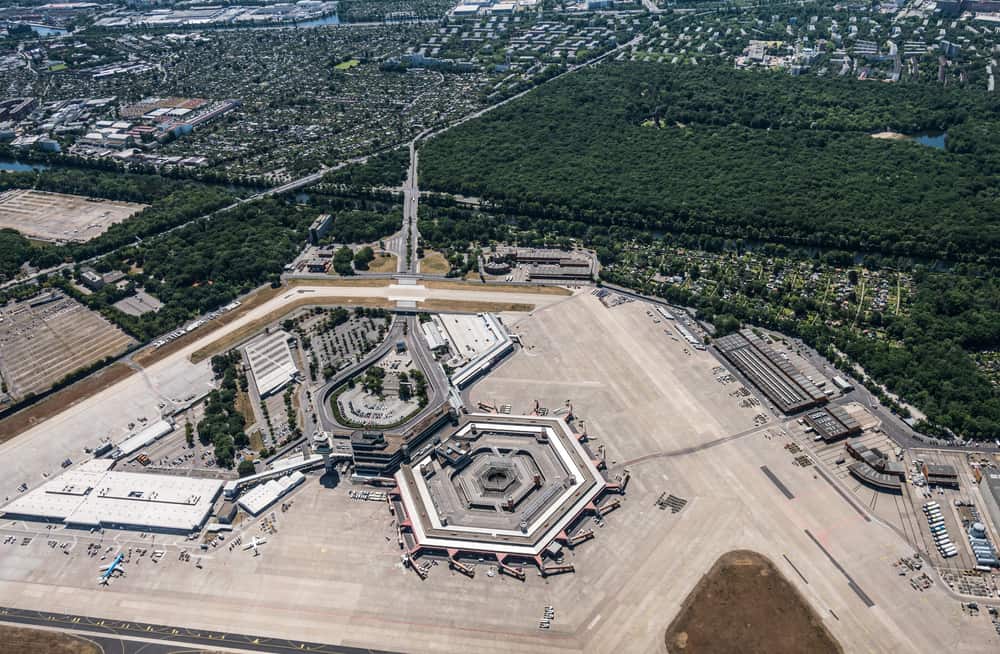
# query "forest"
(364, 226)
(206, 264)
(732, 154)
(223, 425)
(384, 169)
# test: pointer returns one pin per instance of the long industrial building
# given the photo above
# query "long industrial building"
(773, 374)
(93, 496)
(256, 500)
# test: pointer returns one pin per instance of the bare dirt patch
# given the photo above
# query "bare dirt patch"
(383, 263)
(743, 604)
(472, 306)
(339, 281)
(434, 263)
(17, 640)
(889, 136)
(497, 288)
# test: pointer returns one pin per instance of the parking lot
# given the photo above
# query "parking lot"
(337, 337)
(60, 218)
(41, 344)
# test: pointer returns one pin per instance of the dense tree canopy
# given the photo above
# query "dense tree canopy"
(737, 154)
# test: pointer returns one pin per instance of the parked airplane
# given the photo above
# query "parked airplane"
(108, 571)
(254, 544)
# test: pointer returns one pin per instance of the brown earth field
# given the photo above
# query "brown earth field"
(434, 263)
(743, 604)
(16, 640)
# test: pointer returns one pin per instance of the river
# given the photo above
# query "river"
(18, 167)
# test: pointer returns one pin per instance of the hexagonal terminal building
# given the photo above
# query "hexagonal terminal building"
(511, 487)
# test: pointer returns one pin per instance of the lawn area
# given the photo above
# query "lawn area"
(245, 408)
(383, 263)
(346, 65)
(434, 263)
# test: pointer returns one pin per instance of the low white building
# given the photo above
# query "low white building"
(271, 362)
(258, 498)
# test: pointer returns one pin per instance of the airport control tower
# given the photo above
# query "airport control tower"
(321, 445)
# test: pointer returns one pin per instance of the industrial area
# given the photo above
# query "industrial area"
(587, 455)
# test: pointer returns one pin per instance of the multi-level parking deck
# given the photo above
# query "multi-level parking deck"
(774, 375)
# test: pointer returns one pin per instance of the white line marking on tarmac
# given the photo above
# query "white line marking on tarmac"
(593, 622)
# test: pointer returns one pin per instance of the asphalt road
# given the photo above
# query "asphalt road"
(411, 196)
(119, 637)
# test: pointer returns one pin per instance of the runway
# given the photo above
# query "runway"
(117, 637)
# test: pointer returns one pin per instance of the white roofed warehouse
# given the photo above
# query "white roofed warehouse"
(94, 497)
(271, 362)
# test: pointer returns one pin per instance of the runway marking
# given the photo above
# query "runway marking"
(593, 622)
(123, 630)
(850, 581)
(690, 449)
(777, 482)
(795, 569)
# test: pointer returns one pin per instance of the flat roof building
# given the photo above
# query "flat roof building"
(770, 371)
(832, 423)
(271, 362)
(92, 496)
(873, 478)
(941, 475)
(153, 432)
(320, 228)
(259, 498)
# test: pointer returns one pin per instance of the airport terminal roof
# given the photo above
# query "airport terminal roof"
(271, 362)
(476, 341)
(89, 497)
(865, 473)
